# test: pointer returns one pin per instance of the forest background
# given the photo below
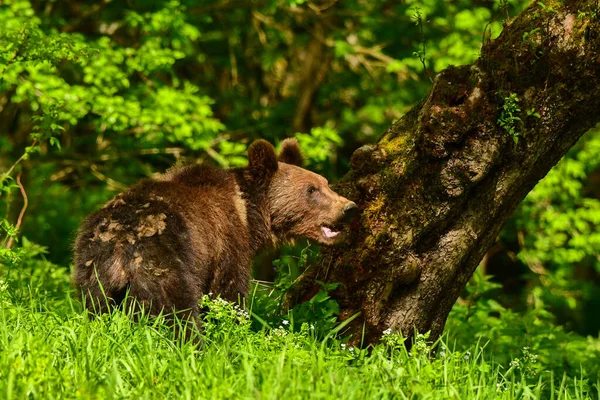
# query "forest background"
(95, 95)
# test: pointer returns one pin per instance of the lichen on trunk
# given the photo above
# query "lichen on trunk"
(440, 183)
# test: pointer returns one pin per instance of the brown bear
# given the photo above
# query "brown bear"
(195, 230)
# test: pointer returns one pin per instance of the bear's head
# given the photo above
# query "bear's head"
(300, 202)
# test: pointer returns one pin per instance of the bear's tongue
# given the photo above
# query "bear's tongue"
(328, 232)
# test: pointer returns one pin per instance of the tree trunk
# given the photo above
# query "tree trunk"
(439, 185)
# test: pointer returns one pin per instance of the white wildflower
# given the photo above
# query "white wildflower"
(280, 332)
(388, 331)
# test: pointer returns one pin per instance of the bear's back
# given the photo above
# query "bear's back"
(164, 236)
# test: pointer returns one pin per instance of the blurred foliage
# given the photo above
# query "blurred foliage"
(481, 318)
(95, 95)
(555, 236)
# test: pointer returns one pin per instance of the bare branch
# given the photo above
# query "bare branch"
(22, 213)
(10, 170)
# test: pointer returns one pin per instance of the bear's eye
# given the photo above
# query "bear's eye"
(312, 190)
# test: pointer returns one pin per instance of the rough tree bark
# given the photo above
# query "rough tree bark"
(439, 185)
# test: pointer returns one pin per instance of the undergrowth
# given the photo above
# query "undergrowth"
(49, 348)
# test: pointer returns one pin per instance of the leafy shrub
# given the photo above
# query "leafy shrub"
(509, 335)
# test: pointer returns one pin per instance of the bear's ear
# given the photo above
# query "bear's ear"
(290, 153)
(262, 160)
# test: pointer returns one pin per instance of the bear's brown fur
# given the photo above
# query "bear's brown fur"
(196, 229)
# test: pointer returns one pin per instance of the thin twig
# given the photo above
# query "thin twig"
(19, 160)
(112, 184)
(22, 213)
(319, 10)
(7, 205)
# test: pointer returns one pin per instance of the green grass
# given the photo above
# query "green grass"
(50, 349)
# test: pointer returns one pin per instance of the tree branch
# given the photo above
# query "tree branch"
(23, 209)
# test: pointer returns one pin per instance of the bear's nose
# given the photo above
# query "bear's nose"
(349, 211)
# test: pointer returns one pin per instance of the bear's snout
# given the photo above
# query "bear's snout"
(349, 212)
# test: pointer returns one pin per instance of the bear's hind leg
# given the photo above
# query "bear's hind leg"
(167, 291)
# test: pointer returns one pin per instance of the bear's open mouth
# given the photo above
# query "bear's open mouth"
(330, 232)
